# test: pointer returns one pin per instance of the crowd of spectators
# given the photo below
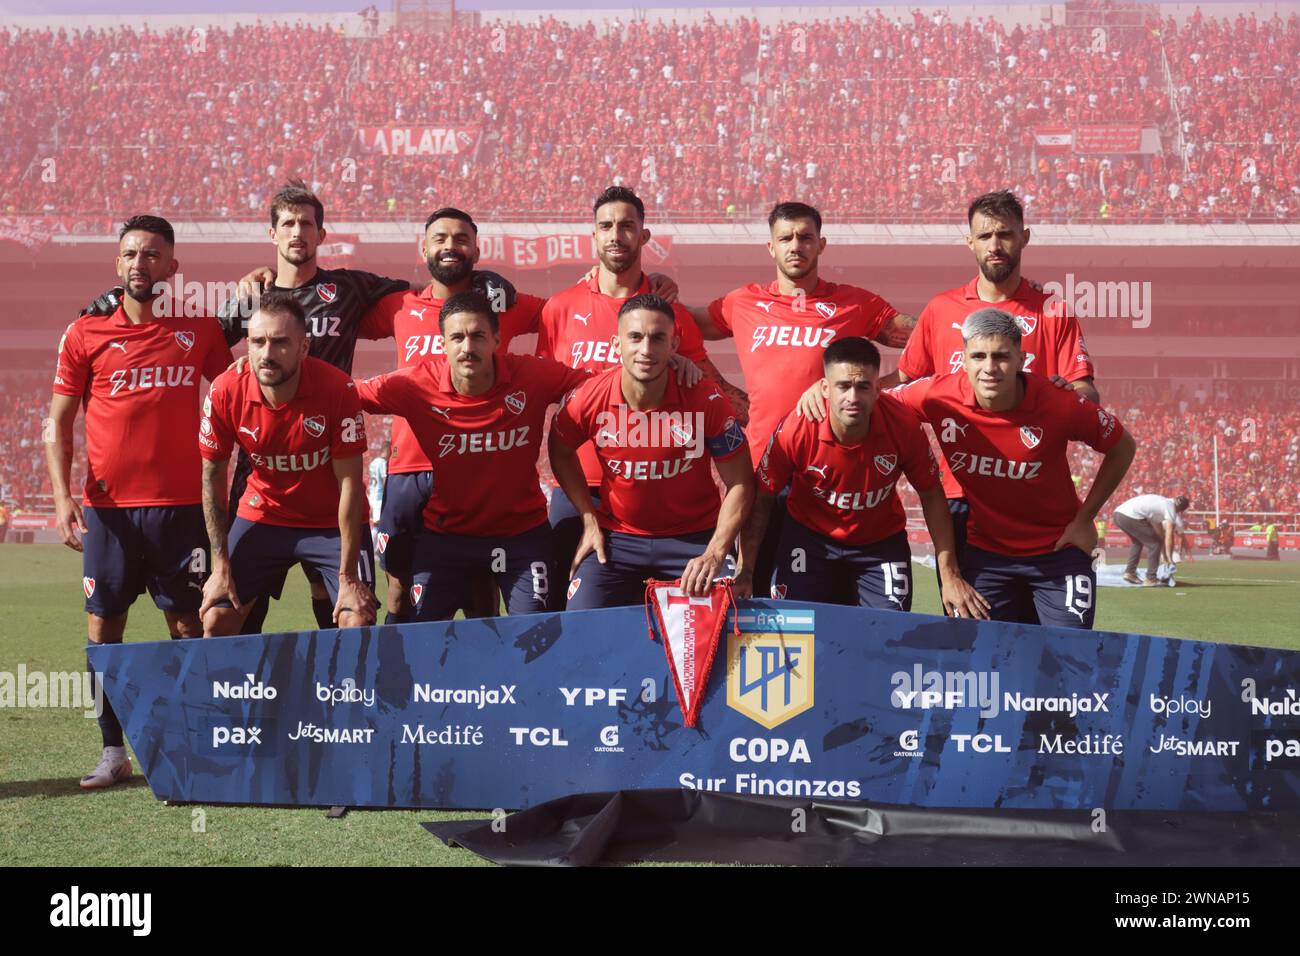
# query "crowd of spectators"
(870, 118)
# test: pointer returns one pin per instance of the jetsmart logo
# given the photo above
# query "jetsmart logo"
(945, 690)
(76, 909)
(1102, 300)
(250, 689)
(480, 697)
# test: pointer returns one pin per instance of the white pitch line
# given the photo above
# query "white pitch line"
(1242, 580)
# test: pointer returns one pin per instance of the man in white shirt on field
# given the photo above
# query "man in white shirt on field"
(1151, 522)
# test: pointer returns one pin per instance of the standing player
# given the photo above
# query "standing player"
(142, 524)
(479, 413)
(659, 514)
(845, 534)
(300, 422)
(580, 328)
(411, 318)
(1005, 434)
(782, 328)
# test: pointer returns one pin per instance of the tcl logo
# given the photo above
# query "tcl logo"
(539, 736)
(981, 743)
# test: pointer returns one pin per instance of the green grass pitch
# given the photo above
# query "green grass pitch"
(46, 819)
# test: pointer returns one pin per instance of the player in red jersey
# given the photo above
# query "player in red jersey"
(299, 420)
(579, 327)
(782, 328)
(138, 376)
(845, 534)
(480, 412)
(411, 318)
(659, 513)
(1005, 434)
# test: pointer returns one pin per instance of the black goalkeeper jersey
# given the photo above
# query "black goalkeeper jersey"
(335, 300)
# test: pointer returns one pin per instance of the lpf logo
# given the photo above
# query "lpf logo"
(770, 667)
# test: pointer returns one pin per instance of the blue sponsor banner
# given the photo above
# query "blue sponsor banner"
(807, 700)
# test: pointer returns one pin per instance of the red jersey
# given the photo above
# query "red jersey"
(579, 327)
(655, 475)
(411, 318)
(292, 447)
(848, 492)
(1049, 337)
(140, 387)
(780, 340)
(1013, 466)
(485, 447)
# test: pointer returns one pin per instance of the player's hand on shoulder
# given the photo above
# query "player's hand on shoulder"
(105, 303)
(497, 289)
(688, 373)
(811, 403)
(255, 282)
(663, 286)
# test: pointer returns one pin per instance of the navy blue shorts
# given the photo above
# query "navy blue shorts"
(262, 554)
(126, 550)
(632, 559)
(401, 520)
(566, 532)
(812, 567)
(445, 567)
(1057, 589)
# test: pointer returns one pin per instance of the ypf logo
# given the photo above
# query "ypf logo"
(185, 340)
(328, 291)
(1031, 435)
(515, 402)
(770, 667)
(314, 426)
(886, 463)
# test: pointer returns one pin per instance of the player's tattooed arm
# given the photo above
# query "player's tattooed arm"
(68, 520)
(750, 538)
(738, 397)
(220, 585)
(897, 331)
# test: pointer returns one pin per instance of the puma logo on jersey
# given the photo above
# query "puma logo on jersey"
(582, 318)
(950, 430)
(250, 431)
(444, 412)
(957, 326)
(1075, 610)
(417, 313)
(766, 306)
(804, 335)
(818, 471)
(118, 345)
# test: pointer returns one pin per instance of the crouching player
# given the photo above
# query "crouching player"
(1005, 434)
(659, 514)
(478, 417)
(300, 422)
(845, 538)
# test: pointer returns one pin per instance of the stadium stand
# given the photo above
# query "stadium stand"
(869, 118)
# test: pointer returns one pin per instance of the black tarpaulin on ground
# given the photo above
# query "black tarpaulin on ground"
(704, 827)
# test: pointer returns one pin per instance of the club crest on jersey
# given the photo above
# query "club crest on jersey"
(1027, 323)
(185, 340)
(515, 401)
(778, 592)
(314, 426)
(683, 433)
(886, 463)
(88, 585)
(1031, 435)
(328, 291)
(827, 309)
(417, 592)
(573, 587)
(381, 542)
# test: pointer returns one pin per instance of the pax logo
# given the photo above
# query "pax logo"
(1031, 435)
(328, 291)
(314, 426)
(185, 340)
(886, 463)
(88, 585)
(236, 735)
(515, 401)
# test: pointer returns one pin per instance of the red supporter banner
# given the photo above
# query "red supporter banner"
(419, 140)
(32, 232)
(1108, 139)
(544, 252)
(1054, 139)
(337, 250)
(31, 522)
